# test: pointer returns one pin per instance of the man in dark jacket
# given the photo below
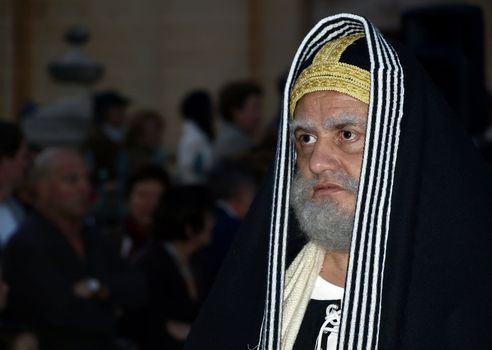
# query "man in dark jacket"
(67, 283)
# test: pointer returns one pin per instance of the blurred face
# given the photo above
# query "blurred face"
(249, 116)
(116, 116)
(65, 190)
(13, 169)
(329, 133)
(144, 199)
(152, 132)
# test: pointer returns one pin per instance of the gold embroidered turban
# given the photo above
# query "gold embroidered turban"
(327, 73)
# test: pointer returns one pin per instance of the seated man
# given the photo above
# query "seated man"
(389, 243)
(67, 283)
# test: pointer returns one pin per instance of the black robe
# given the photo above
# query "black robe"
(419, 274)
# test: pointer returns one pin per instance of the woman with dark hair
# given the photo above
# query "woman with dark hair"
(194, 156)
(144, 190)
(183, 225)
(144, 140)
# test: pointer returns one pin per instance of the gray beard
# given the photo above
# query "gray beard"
(323, 222)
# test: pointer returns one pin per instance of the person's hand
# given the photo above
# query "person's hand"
(90, 288)
(25, 341)
(178, 330)
(82, 289)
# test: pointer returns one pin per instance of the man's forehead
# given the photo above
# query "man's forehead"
(330, 105)
(305, 121)
(68, 163)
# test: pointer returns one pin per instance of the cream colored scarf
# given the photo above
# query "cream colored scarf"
(299, 283)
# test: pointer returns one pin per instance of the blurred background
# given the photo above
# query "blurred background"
(133, 138)
(155, 51)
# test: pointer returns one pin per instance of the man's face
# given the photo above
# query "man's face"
(248, 116)
(329, 130)
(66, 189)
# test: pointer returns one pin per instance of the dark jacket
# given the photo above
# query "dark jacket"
(168, 298)
(223, 234)
(42, 268)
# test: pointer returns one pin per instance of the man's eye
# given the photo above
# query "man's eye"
(306, 139)
(348, 135)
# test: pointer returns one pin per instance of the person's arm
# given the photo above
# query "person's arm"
(177, 329)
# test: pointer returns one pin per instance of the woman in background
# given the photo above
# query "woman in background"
(183, 225)
(194, 156)
(145, 189)
(143, 143)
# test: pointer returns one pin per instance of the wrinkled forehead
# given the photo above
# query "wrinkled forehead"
(329, 110)
(65, 165)
(70, 163)
(330, 122)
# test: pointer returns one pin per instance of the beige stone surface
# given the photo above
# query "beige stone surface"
(154, 51)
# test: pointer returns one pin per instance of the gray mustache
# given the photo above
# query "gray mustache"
(346, 181)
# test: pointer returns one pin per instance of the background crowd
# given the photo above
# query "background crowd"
(114, 244)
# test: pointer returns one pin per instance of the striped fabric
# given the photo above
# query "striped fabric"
(363, 292)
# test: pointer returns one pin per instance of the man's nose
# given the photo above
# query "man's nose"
(325, 157)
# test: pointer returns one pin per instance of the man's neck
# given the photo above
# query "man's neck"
(334, 269)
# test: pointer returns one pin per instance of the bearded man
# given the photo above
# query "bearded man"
(371, 232)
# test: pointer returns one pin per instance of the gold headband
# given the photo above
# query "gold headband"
(326, 73)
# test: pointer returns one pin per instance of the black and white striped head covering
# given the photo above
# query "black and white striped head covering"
(366, 263)
(419, 268)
